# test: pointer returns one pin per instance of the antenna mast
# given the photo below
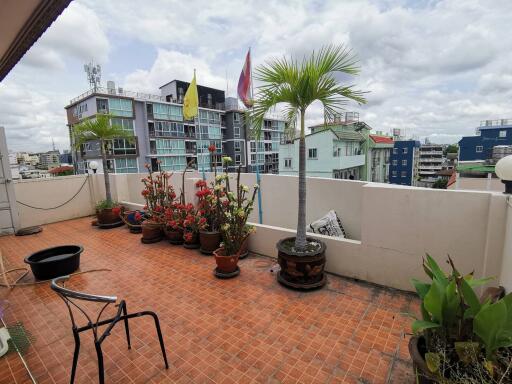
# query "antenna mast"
(93, 74)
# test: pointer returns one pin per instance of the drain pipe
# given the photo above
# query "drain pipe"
(503, 170)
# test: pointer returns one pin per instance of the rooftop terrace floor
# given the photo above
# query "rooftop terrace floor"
(245, 330)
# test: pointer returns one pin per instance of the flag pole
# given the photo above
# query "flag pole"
(258, 177)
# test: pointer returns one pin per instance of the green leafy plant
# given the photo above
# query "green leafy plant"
(101, 129)
(106, 204)
(298, 84)
(458, 328)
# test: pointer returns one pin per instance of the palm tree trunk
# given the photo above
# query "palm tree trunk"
(108, 194)
(300, 240)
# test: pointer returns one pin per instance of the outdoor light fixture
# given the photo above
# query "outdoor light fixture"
(503, 170)
(94, 166)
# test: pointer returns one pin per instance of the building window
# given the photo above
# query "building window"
(238, 159)
(395, 162)
(236, 132)
(404, 174)
(236, 117)
(479, 148)
(312, 153)
(404, 162)
(237, 146)
(120, 107)
(394, 173)
(125, 165)
(124, 147)
(404, 151)
(503, 133)
(287, 163)
(124, 124)
(395, 151)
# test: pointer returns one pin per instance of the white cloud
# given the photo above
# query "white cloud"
(433, 68)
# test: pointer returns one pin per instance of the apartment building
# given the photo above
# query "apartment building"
(489, 134)
(380, 149)
(430, 162)
(404, 162)
(162, 134)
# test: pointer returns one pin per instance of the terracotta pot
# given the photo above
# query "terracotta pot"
(244, 250)
(417, 349)
(175, 236)
(106, 216)
(194, 243)
(151, 232)
(209, 241)
(304, 270)
(225, 264)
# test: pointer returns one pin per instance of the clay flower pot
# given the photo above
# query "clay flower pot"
(109, 217)
(417, 351)
(209, 241)
(225, 263)
(151, 232)
(175, 236)
(191, 242)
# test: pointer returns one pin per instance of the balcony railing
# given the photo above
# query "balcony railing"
(495, 123)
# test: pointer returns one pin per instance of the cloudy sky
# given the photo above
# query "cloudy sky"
(432, 68)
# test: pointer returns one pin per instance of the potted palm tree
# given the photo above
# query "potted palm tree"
(102, 130)
(298, 84)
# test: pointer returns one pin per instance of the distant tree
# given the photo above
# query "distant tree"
(440, 184)
(452, 148)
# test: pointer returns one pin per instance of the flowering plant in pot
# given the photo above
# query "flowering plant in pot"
(173, 228)
(159, 195)
(459, 337)
(209, 211)
(236, 208)
(133, 219)
(108, 213)
(191, 226)
(299, 84)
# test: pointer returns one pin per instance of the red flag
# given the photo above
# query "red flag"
(244, 82)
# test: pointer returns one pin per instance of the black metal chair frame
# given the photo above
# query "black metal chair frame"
(122, 314)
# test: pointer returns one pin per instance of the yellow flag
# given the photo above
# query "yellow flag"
(191, 100)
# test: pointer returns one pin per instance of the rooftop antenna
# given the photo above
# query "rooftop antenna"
(53, 144)
(93, 74)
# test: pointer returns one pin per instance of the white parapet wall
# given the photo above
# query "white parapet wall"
(390, 228)
(49, 193)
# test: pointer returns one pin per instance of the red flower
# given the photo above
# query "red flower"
(116, 211)
(187, 237)
(212, 148)
(202, 221)
(137, 216)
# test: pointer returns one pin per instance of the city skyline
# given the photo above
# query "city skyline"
(433, 69)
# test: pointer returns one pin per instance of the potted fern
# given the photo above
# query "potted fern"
(297, 84)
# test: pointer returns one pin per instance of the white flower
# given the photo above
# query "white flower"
(219, 177)
(227, 160)
(225, 227)
(245, 188)
(217, 187)
(256, 186)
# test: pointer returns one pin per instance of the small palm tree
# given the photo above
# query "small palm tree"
(100, 129)
(297, 85)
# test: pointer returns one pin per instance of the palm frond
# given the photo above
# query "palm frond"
(99, 128)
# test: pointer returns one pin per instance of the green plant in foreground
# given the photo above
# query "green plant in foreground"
(106, 204)
(454, 319)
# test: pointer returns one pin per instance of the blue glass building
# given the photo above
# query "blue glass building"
(402, 167)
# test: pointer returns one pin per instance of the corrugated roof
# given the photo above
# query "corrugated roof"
(349, 135)
(382, 139)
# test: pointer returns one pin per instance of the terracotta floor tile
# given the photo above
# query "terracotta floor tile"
(248, 329)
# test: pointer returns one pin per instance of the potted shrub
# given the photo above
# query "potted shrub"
(159, 195)
(459, 338)
(190, 227)
(298, 84)
(209, 210)
(101, 129)
(173, 228)
(236, 208)
(133, 219)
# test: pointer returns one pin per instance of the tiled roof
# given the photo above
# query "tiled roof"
(381, 139)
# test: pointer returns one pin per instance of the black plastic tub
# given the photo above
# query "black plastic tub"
(54, 262)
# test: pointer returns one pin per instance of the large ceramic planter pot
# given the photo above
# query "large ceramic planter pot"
(151, 232)
(209, 241)
(304, 270)
(226, 264)
(175, 236)
(417, 350)
(107, 218)
(193, 243)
